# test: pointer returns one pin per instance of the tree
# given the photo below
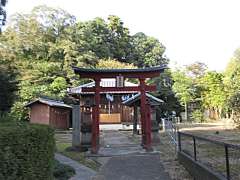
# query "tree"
(196, 70)
(113, 64)
(59, 86)
(147, 51)
(119, 38)
(213, 93)
(183, 88)
(9, 85)
(3, 14)
(232, 85)
(45, 43)
(165, 92)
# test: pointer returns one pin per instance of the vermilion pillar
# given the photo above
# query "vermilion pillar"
(148, 126)
(145, 117)
(95, 117)
(143, 110)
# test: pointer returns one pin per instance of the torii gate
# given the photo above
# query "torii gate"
(142, 75)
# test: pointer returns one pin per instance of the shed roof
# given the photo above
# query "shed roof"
(153, 100)
(50, 102)
(109, 82)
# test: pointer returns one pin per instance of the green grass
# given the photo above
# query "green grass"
(62, 171)
(77, 156)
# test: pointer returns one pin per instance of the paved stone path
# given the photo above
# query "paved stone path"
(115, 143)
(82, 172)
(126, 160)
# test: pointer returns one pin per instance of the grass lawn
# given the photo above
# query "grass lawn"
(77, 156)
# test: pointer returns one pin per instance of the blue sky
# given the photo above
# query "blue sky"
(192, 30)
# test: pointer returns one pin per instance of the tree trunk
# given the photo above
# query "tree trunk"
(186, 112)
(232, 115)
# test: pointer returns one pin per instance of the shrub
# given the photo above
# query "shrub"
(26, 151)
(62, 171)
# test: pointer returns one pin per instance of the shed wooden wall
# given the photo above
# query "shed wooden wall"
(60, 117)
(39, 113)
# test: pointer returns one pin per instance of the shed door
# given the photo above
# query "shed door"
(60, 118)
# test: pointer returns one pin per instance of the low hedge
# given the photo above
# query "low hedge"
(26, 152)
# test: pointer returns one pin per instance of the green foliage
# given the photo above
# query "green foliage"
(113, 64)
(183, 87)
(45, 43)
(19, 112)
(197, 115)
(147, 51)
(165, 92)
(38, 50)
(59, 86)
(26, 151)
(62, 171)
(9, 85)
(3, 13)
(214, 94)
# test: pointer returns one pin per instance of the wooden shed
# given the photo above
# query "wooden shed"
(50, 112)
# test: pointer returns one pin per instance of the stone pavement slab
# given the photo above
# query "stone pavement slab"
(82, 172)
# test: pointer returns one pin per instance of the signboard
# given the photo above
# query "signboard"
(119, 81)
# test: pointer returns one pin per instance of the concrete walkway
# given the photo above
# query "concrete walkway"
(126, 160)
(82, 172)
(133, 167)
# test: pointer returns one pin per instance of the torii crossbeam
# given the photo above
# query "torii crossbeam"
(142, 75)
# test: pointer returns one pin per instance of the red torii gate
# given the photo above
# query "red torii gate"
(142, 75)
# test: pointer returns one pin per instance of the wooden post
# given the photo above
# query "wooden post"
(135, 119)
(143, 110)
(76, 124)
(95, 118)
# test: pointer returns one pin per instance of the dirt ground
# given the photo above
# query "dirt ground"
(210, 154)
(221, 131)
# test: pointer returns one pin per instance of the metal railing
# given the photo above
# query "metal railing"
(169, 126)
(219, 157)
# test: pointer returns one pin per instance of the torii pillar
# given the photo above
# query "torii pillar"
(95, 117)
(145, 117)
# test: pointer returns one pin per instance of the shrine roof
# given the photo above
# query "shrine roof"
(134, 99)
(103, 83)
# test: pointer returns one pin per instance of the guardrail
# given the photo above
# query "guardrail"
(221, 158)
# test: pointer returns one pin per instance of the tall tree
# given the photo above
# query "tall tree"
(165, 92)
(47, 42)
(184, 89)
(213, 93)
(9, 85)
(3, 14)
(147, 51)
(232, 85)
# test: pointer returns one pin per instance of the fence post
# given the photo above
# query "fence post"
(164, 124)
(179, 142)
(227, 162)
(194, 149)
